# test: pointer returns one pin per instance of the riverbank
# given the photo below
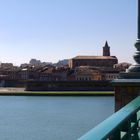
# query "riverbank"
(22, 92)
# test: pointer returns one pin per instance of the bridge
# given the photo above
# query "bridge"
(122, 125)
(125, 123)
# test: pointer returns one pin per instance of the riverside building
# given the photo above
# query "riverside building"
(97, 61)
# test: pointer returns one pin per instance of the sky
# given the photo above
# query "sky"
(52, 30)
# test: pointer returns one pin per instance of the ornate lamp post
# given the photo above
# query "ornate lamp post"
(138, 19)
(127, 87)
(135, 69)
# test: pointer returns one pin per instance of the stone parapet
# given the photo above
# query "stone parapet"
(125, 91)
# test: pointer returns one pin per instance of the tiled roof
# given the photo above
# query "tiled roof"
(94, 57)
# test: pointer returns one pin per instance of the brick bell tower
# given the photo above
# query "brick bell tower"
(106, 50)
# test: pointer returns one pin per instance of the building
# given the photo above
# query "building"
(87, 73)
(122, 66)
(97, 61)
(109, 73)
(6, 65)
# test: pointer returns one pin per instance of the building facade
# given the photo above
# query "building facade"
(86, 73)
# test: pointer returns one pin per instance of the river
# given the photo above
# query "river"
(51, 117)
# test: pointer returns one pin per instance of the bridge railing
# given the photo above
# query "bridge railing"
(122, 125)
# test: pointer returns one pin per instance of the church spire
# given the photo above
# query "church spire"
(106, 49)
(106, 44)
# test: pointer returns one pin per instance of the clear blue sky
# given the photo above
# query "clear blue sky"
(51, 30)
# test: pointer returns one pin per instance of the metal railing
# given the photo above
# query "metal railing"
(122, 125)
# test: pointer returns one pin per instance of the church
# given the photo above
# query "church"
(106, 60)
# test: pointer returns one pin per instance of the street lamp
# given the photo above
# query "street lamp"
(134, 71)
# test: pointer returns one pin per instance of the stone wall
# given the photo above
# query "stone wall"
(69, 86)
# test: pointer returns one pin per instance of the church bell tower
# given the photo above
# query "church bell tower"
(106, 50)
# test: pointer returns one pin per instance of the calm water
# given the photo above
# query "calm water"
(51, 118)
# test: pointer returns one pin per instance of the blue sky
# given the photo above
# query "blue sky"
(51, 30)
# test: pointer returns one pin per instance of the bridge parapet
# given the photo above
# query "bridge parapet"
(122, 125)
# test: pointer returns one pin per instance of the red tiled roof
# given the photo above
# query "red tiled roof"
(94, 57)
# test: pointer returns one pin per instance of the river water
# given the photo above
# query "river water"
(51, 118)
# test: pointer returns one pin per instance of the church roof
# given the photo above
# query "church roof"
(94, 57)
